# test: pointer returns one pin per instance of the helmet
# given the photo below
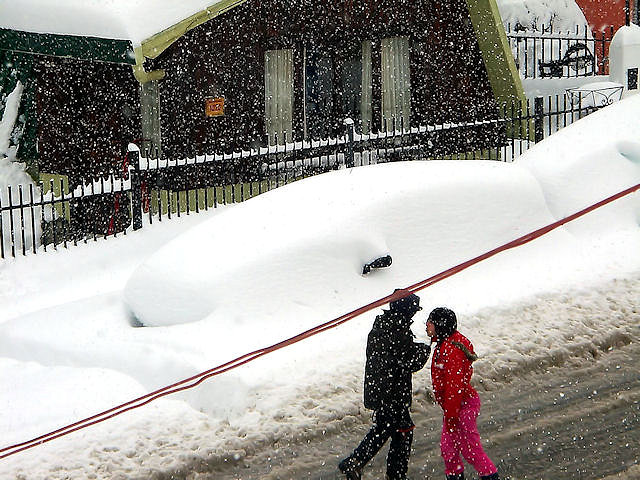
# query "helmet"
(408, 305)
(444, 320)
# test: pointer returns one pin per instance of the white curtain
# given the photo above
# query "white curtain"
(366, 97)
(278, 86)
(396, 83)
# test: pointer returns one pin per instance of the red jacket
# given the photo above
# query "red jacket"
(451, 372)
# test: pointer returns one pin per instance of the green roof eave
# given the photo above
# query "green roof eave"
(158, 43)
(70, 46)
(496, 53)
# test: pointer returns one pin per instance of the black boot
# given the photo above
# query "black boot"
(456, 476)
(350, 468)
(493, 476)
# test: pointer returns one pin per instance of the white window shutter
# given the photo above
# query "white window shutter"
(396, 83)
(278, 83)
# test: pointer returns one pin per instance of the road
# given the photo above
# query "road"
(576, 419)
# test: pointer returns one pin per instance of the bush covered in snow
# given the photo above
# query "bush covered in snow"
(13, 178)
(557, 18)
(534, 15)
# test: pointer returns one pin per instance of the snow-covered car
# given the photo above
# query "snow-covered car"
(293, 247)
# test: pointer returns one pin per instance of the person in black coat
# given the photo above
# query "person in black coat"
(392, 357)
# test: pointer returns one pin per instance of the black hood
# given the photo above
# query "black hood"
(445, 322)
(408, 305)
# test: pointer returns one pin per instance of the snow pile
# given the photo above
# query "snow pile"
(608, 163)
(66, 336)
(320, 242)
(134, 20)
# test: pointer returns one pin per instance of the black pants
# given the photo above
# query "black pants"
(397, 425)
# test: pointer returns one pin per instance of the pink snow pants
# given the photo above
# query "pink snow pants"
(465, 441)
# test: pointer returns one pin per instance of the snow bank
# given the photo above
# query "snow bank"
(588, 161)
(319, 243)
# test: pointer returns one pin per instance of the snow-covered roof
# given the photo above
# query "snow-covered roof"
(132, 20)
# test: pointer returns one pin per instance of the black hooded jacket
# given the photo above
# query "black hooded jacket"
(392, 356)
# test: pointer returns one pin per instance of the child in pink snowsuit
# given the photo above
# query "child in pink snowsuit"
(451, 372)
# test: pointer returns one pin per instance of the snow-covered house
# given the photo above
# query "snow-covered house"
(189, 76)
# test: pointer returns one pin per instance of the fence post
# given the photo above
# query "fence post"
(136, 189)
(538, 114)
(349, 159)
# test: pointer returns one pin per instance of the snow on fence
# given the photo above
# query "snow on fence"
(44, 217)
(560, 54)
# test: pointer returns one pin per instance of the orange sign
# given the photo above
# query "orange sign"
(214, 107)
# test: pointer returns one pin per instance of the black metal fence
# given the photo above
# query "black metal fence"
(153, 189)
(560, 54)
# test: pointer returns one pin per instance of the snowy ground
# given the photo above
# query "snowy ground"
(69, 346)
(550, 418)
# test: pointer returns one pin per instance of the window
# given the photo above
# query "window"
(278, 86)
(396, 83)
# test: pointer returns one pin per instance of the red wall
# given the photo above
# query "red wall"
(602, 14)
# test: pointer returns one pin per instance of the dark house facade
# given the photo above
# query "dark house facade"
(257, 72)
(298, 72)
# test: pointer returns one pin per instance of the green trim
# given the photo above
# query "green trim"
(140, 73)
(158, 43)
(60, 184)
(84, 48)
(498, 59)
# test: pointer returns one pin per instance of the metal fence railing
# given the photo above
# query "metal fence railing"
(560, 54)
(44, 217)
